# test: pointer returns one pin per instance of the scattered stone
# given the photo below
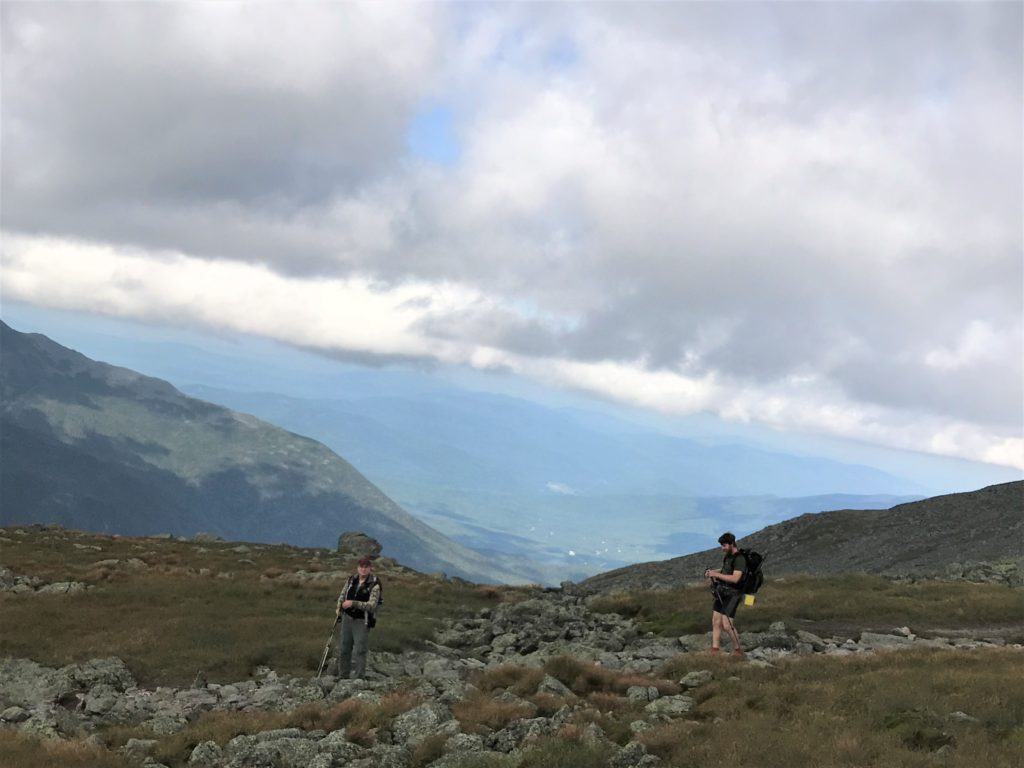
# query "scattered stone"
(671, 706)
(140, 748)
(203, 537)
(14, 715)
(877, 641)
(696, 679)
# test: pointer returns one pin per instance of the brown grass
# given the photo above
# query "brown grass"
(428, 750)
(479, 712)
(18, 750)
(586, 677)
(518, 679)
(360, 720)
(179, 622)
(868, 710)
(829, 603)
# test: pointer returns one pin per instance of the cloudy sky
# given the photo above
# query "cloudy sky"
(801, 215)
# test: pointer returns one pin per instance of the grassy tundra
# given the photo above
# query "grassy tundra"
(172, 608)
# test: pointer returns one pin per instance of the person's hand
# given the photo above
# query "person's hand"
(347, 604)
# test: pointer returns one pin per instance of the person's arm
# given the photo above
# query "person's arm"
(341, 598)
(371, 604)
(728, 578)
(739, 567)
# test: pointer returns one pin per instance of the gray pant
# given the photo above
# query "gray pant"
(354, 637)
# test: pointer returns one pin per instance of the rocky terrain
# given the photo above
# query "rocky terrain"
(977, 535)
(550, 624)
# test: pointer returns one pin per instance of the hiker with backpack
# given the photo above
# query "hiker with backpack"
(357, 606)
(726, 586)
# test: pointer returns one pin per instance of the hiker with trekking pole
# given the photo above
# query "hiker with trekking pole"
(356, 610)
(728, 592)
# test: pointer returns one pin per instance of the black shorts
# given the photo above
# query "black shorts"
(727, 600)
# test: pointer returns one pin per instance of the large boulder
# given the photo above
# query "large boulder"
(356, 545)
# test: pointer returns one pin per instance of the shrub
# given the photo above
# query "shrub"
(26, 751)
(547, 704)
(428, 750)
(564, 753)
(478, 712)
(512, 677)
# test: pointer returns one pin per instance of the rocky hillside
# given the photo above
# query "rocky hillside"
(936, 536)
(429, 705)
(99, 448)
(218, 667)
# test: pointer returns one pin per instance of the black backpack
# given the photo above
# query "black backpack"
(753, 577)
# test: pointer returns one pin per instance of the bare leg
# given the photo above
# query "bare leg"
(716, 629)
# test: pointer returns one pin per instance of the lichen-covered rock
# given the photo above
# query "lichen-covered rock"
(206, 755)
(412, 727)
(671, 706)
(696, 678)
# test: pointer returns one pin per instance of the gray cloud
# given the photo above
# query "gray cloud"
(761, 192)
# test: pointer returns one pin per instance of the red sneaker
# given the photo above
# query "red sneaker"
(738, 653)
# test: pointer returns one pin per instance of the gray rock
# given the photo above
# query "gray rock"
(203, 537)
(100, 699)
(811, 639)
(464, 742)
(206, 755)
(339, 748)
(554, 687)
(62, 588)
(671, 706)
(140, 748)
(354, 544)
(384, 756)
(412, 727)
(166, 722)
(696, 678)
(111, 671)
(14, 715)
(877, 642)
(633, 755)
(961, 717)
(594, 735)
(642, 693)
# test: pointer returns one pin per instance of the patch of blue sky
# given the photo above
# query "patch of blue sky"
(432, 136)
(559, 322)
(562, 55)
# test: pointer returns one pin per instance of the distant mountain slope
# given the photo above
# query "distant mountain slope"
(920, 537)
(101, 448)
(579, 491)
(500, 444)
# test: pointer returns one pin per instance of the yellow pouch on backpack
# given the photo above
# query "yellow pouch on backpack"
(748, 599)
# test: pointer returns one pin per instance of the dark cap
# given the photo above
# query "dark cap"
(365, 561)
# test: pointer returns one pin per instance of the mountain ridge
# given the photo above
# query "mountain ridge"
(919, 538)
(136, 456)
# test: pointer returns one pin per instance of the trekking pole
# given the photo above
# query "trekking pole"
(327, 648)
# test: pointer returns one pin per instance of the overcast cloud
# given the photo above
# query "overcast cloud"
(807, 215)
